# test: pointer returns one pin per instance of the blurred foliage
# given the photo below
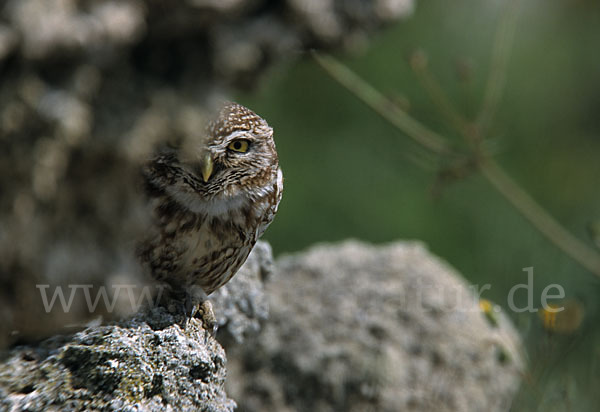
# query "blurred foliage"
(349, 173)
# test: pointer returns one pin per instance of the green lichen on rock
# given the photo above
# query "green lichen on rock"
(145, 363)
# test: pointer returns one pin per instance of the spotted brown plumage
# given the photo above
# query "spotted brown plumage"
(212, 201)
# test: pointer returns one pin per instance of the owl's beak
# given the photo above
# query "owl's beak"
(207, 167)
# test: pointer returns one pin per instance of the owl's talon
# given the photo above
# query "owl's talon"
(191, 309)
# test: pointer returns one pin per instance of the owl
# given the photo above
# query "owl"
(211, 202)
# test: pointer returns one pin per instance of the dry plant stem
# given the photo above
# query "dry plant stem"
(500, 56)
(382, 105)
(441, 100)
(541, 219)
(529, 208)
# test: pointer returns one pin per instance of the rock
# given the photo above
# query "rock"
(147, 363)
(242, 304)
(356, 327)
(352, 327)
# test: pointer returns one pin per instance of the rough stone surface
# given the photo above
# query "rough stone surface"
(148, 363)
(352, 327)
(355, 327)
(89, 89)
(241, 306)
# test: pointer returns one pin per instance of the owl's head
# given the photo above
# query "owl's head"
(235, 163)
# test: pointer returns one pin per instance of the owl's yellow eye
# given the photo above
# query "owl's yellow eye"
(240, 145)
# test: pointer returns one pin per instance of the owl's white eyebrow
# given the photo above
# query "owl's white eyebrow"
(238, 133)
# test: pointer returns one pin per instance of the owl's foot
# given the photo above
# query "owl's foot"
(192, 303)
(207, 315)
(204, 312)
(198, 306)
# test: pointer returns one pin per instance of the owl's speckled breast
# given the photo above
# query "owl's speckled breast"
(212, 253)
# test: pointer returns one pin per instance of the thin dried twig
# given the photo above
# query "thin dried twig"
(540, 218)
(418, 62)
(382, 105)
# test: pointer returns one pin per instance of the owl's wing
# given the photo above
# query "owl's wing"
(273, 203)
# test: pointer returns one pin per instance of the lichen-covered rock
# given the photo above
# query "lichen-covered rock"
(356, 327)
(241, 306)
(352, 327)
(148, 363)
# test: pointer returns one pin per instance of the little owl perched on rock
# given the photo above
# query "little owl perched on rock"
(211, 204)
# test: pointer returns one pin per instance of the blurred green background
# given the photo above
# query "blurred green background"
(349, 173)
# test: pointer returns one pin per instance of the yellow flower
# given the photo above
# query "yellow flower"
(563, 317)
(489, 310)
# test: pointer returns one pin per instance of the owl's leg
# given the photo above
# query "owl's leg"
(198, 305)
(209, 320)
